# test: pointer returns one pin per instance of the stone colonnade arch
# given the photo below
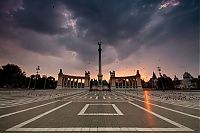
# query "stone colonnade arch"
(70, 81)
(127, 82)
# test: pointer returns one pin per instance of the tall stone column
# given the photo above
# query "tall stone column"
(70, 83)
(81, 86)
(100, 76)
(77, 83)
(125, 84)
(66, 84)
(73, 83)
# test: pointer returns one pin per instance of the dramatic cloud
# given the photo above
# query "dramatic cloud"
(169, 3)
(128, 30)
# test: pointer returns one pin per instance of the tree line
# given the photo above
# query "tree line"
(164, 82)
(12, 76)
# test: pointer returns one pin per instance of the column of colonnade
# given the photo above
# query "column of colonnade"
(68, 81)
(125, 82)
(72, 82)
(75, 83)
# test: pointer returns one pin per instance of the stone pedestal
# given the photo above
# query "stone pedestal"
(60, 80)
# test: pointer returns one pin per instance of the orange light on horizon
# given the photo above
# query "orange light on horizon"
(122, 73)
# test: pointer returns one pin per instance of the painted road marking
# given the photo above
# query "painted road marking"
(103, 129)
(171, 103)
(190, 115)
(122, 129)
(35, 101)
(83, 101)
(39, 116)
(161, 117)
(84, 95)
(9, 114)
(2, 116)
(118, 112)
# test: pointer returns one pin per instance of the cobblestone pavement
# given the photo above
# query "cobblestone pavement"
(99, 111)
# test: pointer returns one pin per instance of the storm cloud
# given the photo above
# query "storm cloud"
(125, 28)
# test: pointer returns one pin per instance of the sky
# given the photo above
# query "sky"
(135, 35)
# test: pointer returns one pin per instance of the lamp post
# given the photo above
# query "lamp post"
(159, 70)
(45, 81)
(37, 69)
(29, 83)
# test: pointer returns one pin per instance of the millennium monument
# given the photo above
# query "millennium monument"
(100, 75)
(125, 82)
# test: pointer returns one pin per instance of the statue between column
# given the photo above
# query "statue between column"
(87, 80)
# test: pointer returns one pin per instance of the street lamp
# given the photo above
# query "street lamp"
(37, 69)
(45, 81)
(159, 70)
(29, 83)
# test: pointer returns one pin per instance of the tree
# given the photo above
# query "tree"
(12, 76)
(165, 83)
(1, 77)
(154, 76)
(152, 82)
(176, 82)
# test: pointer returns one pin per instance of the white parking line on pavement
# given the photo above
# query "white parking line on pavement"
(190, 115)
(161, 117)
(35, 101)
(118, 112)
(83, 95)
(37, 117)
(100, 129)
(20, 111)
(5, 115)
(171, 102)
(20, 128)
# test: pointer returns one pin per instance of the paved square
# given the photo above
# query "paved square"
(84, 111)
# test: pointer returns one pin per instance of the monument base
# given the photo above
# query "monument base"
(59, 87)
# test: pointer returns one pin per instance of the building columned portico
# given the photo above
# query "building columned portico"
(128, 82)
(70, 81)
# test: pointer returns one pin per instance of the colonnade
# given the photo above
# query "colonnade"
(69, 81)
(73, 81)
(126, 81)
